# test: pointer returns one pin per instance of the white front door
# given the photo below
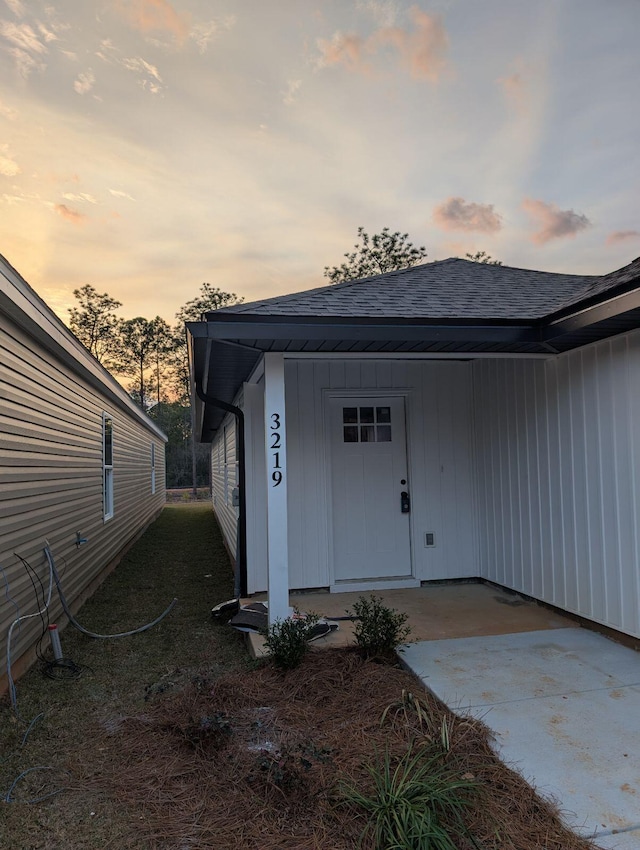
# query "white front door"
(369, 476)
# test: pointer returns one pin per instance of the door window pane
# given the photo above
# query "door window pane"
(383, 414)
(349, 415)
(383, 433)
(366, 415)
(367, 434)
(351, 433)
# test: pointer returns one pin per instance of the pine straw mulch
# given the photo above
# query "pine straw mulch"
(252, 759)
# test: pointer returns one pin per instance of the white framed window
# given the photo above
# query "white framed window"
(107, 466)
(153, 468)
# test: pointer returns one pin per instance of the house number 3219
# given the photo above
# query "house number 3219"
(275, 443)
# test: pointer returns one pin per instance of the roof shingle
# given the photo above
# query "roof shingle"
(447, 289)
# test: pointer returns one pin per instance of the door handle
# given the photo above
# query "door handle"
(405, 502)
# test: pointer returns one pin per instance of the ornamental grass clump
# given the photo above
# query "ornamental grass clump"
(417, 801)
(379, 630)
(287, 640)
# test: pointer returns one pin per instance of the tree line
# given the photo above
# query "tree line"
(152, 355)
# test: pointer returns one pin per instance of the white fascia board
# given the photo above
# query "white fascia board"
(25, 307)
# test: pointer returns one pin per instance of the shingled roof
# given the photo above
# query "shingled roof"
(448, 289)
(451, 308)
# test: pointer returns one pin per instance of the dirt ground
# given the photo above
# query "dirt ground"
(255, 760)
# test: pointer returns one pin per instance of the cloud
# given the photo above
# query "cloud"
(25, 63)
(107, 50)
(25, 47)
(458, 214)
(142, 67)
(85, 82)
(552, 222)
(8, 167)
(622, 236)
(420, 50)
(149, 16)
(21, 36)
(8, 112)
(384, 12)
(11, 200)
(344, 50)
(67, 213)
(16, 6)
(47, 35)
(70, 196)
(204, 33)
(118, 193)
(290, 93)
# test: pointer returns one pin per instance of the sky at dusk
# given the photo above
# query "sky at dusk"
(147, 146)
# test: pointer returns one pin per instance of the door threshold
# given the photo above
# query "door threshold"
(364, 584)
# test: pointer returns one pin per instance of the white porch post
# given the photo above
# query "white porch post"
(276, 483)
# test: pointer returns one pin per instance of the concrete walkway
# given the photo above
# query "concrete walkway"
(565, 706)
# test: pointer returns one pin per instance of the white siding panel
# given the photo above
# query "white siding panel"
(224, 477)
(440, 446)
(558, 478)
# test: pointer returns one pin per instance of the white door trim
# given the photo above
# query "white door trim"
(328, 394)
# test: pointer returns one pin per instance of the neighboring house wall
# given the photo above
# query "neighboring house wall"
(558, 478)
(51, 478)
(438, 400)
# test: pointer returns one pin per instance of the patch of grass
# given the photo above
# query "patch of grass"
(416, 801)
(180, 555)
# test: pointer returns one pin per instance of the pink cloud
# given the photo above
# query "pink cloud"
(458, 214)
(552, 222)
(420, 50)
(67, 213)
(344, 50)
(622, 236)
(154, 16)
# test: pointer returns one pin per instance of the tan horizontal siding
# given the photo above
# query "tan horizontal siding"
(51, 479)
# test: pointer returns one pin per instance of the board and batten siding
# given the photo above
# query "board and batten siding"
(51, 479)
(439, 438)
(558, 478)
(224, 477)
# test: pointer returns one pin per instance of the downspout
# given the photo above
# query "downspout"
(240, 581)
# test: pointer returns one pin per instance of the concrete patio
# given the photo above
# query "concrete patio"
(435, 612)
(562, 701)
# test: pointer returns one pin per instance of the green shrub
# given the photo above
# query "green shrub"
(379, 629)
(287, 640)
(419, 802)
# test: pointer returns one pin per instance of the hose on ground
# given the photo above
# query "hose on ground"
(76, 624)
